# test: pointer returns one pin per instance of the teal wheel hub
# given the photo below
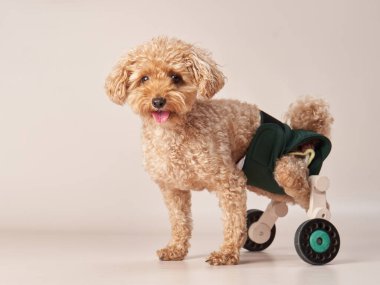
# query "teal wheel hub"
(320, 241)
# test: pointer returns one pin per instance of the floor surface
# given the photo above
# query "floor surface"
(112, 259)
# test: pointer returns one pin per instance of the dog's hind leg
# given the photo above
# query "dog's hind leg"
(291, 173)
(178, 203)
(232, 201)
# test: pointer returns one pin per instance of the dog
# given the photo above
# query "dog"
(193, 143)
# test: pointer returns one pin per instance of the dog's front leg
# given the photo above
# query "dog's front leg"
(178, 203)
(232, 201)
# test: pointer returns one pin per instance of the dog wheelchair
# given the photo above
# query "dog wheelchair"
(316, 240)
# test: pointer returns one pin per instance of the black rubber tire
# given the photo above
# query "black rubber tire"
(303, 243)
(252, 217)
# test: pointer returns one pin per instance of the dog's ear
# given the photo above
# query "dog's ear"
(206, 73)
(117, 81)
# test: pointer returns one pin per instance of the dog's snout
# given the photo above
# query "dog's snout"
(158, 102)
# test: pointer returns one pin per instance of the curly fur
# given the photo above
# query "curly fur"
(311, 114)
(200, 141)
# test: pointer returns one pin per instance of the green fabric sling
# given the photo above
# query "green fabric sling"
(272, 140)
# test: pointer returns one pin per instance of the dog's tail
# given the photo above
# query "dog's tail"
(310, 114)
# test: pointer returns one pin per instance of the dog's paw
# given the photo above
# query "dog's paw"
(223, 258)
(172, 252)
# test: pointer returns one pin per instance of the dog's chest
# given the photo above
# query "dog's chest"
(177, 161)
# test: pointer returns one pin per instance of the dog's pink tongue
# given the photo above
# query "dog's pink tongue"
(161, 116)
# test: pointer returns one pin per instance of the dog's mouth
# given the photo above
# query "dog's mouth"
(160, 116)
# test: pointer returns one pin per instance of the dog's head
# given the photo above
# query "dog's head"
(161, 79)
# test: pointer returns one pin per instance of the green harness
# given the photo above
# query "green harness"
(272, 140)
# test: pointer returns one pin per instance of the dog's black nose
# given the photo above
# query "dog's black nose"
(158, 102)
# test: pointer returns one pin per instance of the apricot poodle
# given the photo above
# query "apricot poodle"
(193, 143)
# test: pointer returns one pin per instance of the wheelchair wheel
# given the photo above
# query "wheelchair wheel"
(317, 241)
(252, 217)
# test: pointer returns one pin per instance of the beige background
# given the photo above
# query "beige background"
(70, 160)
(76, 206)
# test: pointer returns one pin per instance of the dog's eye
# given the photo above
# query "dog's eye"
(144, 78)
(176, 79)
